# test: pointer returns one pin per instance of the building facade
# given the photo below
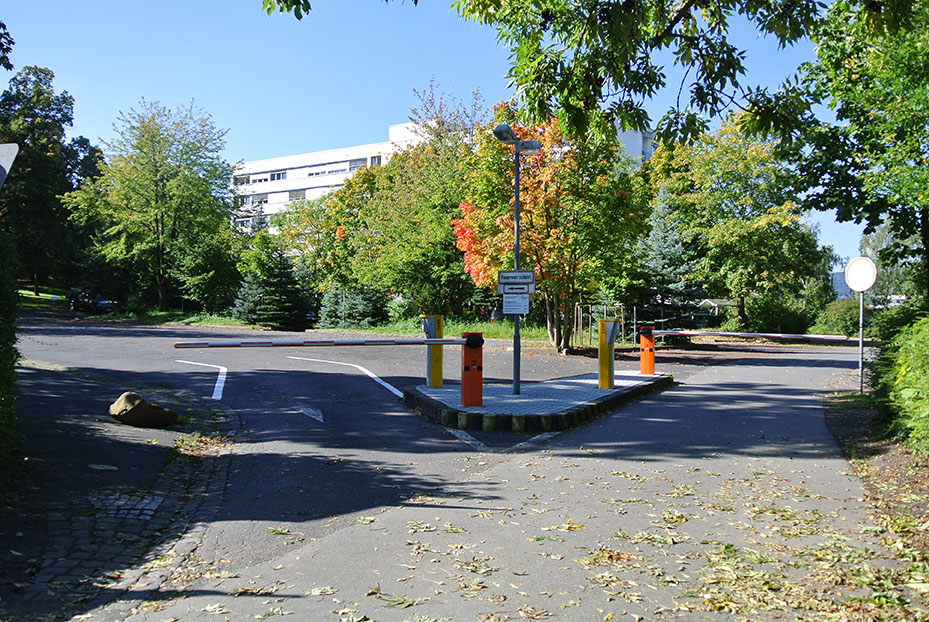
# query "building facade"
(265, 187)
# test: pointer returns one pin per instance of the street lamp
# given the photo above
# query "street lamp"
(505, 135)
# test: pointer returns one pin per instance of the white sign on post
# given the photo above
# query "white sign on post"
(515, 304)
(8, 153)
(860, 274)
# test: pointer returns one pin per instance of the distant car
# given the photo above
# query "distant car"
(92, 303)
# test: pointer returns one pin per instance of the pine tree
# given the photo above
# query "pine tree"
(665, 255)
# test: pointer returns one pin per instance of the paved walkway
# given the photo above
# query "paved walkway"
(549, 397)
(723, 498)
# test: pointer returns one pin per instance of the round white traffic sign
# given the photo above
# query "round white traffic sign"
(860, 274)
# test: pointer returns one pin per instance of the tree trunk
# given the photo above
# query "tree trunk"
(924, 259)
(740, 311)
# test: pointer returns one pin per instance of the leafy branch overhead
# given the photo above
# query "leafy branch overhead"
(594, 63)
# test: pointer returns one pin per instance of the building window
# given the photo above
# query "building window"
(239, 180)
(258, 199)
(354, 165)
(278, 175)
(375, 160)
(296, 195)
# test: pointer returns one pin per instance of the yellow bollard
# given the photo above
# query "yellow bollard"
(606, 329)
(432, 326)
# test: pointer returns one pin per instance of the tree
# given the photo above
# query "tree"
(6, 46)
(741, 216)
(390, 226)
(665, 257)
(35, 117)
(270, 294)
(596, 62)
(162, 194)
(579, 216)
(872, 164)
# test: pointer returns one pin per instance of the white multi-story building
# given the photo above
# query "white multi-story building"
(266, 186)
(639, 145)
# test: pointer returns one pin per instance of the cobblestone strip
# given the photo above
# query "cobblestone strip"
(109, 551)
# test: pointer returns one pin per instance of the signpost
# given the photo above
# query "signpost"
(516, 285)
(860, 274)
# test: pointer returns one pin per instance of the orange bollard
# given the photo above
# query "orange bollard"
(472, 369)
(646, 351)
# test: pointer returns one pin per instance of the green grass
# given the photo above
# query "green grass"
(174, 316)
(54, 299)
(454, 328)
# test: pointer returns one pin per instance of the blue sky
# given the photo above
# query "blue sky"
(337, 78)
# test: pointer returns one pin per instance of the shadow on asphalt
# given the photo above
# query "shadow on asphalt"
(65, 429)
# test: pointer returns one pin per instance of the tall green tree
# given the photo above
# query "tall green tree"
(872, 164)
(390, 226)
(35, 117)
(162, 195)
(666, 260)
(741, 215)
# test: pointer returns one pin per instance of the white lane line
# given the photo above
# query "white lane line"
(535, 440)
(312, 413)
(459, 434)
(464, 437)
(386, 385)
(220, 379)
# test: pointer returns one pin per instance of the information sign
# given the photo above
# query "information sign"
(515, 304)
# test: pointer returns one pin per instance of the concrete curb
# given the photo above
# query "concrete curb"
(572, 416)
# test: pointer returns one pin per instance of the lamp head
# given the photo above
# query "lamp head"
(505, 135)
(529, 147)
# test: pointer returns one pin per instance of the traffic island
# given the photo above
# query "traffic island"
(546, 406)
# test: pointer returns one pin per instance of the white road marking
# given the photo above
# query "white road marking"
(386, 385)
(312, 413)
(220, 379)
(464, 437)
(535, 440)
(459, 434)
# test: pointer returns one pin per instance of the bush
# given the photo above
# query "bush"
(905, 382)
(768, 313)
(839, 317)
(8, 353)
(359, 306)
(273, 299)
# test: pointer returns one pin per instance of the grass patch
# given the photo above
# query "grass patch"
(53, 299)
(453, 328)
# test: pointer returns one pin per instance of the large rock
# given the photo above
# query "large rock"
(132, 409)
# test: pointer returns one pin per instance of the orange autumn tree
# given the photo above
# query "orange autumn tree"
(579, 216)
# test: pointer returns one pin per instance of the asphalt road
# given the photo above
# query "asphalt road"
(319, 445)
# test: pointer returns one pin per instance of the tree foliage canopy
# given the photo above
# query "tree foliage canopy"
(872, 164)
(740, 213)
(35, 117)
(579, 215)
(596, 62)
(160, 197)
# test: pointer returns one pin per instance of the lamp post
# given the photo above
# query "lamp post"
(505, 135)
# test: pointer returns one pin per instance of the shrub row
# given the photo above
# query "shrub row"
(903, 381)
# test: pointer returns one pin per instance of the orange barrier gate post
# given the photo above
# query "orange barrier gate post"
(472, 369)
(646, 351)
